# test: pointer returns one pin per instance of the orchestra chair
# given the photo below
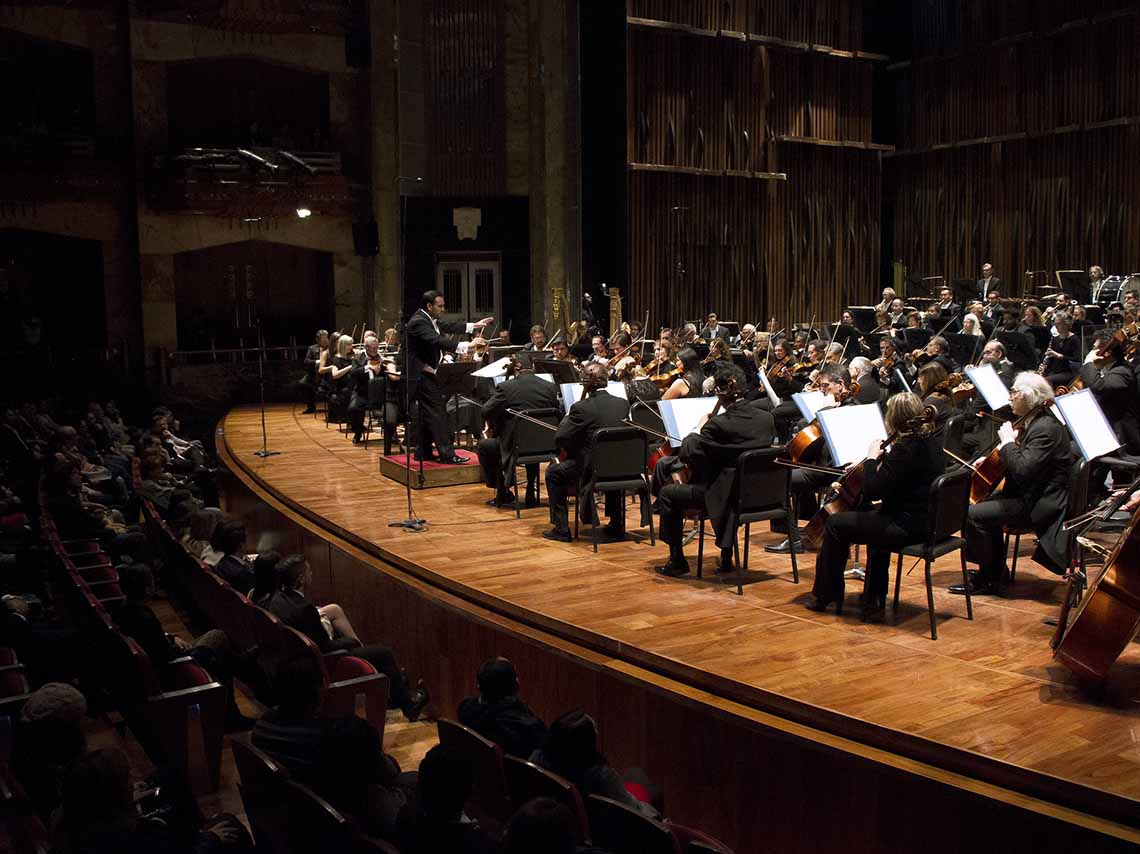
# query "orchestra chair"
(177, 714)
(381, 411)
(952, 436)
(763, 493)
(533, 445)
(491, 794)
(526, 781)
(949, 504)
(264, 794)
(1078, 504)
(619, 463)
(623, 830)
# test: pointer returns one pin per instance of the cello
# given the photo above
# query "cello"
(1090, 639)
(990, 472)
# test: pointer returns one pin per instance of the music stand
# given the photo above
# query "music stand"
(864, 317)
(501, 352)
(454, 379)
(1018, 349)
(563, 372)
(914, 339)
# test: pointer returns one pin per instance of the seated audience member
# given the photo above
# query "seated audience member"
(77, 520)
(211, 650)
(203, 524)
(265, 580)
(499, 715)
(342, 759)
(571, 751)
(234, 566)
(156, 485)
(290, 605)
(439, 824)
(543, 824)
(49, 739)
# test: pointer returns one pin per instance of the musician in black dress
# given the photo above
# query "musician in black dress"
(711, 457)
(596, 410)
(312, 361)
(1063, 355)
(1035, 494)
(426, 346)
(691, 379)
(339, 389)
(523, 390)
(900, 477)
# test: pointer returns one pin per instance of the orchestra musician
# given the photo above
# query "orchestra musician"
(945, 308)
(748, 340)
(713, 329)
(601, 353)
(1033, 326)
(863, 373)
(426, 349)
(1034, 495)
(338, 370)
(936, 350)
(1114, 385)
(899, 477)
(931, 388)
(690, 383)
(980, 432)
(537, 339)
(988, 282)
(313, 358)
(896, 314)
(994, 308)
(1063, 355)
(835, 382)
(523, 390)
(597, 409)
(888, 298)
(561, 352)
(391, 340)
(885, 365)
(504, 338)
(711, 456)
(360, 376)
(971, 325)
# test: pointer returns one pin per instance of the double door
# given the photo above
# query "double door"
(472, 287)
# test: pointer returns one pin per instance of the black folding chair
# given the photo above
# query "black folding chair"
(763, 493)
(948, 505)
(533, 444)
(619, 463)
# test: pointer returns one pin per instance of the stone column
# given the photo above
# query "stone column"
(387, 53)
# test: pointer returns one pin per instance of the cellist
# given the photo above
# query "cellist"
(900, 476)
(1035, 494)
(711, 456)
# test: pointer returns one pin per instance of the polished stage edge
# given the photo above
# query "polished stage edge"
(986, 700)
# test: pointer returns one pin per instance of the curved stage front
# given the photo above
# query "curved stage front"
(771, 726)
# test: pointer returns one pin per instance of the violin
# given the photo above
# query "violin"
(919, 357)
(782, 370)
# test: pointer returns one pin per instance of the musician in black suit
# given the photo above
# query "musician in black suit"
(711, 456)
(1114, 385)
(312, 359)
(713, 330)
(945, 309)
(1035, 494)
(537, 340)
(426, 347)
(980, 433)
(596, 410)
(988, 282)
(868, 378)
(523, 390)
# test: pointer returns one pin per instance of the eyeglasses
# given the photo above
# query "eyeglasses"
(1016, 391)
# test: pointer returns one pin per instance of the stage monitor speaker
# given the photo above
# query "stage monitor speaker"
(366, 238)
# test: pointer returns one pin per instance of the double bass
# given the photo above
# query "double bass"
(1090, 639)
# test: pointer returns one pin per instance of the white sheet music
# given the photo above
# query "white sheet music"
(810, 402)
(849, 430)
(766, 384)
(495, 369)
(572, 393)
(1085, 420)
(548, 377)
(989, 385)
(684, 415)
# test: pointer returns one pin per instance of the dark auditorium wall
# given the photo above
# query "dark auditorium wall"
(1017, 139)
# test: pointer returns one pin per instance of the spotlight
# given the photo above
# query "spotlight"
(304, 213)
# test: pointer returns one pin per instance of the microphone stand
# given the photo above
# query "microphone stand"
(411, 523)
(264, 452)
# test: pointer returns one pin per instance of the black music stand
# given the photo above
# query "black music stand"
(563, 372)
(454, 379)
(1018, 349)
(965, 349)
(864, 317)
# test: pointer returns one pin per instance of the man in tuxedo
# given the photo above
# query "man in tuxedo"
(312, 359)
(713, 329)
(426, 347)
(1113, 383)
(988, 282)
(711, 456)
(596, 410)
(945, 309)
(537, 339)
(863, 373)
(524, 390)
(980, 433)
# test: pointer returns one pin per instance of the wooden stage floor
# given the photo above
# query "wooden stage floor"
(986, 699)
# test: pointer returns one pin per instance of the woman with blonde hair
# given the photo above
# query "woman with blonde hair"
(900, 477)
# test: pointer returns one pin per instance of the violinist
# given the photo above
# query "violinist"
(934, 392)
(1114, 385)
(391, 340)
(625, 357)
(1060, 360)
(779, 370)
(521, 391)
(537, 339)
(313, 358)
(834, 381)
(913, 320)
(868, 380)
(719, 357)
(813, 359)
(1034, 494)
(711, 456)
(360, 376)
(561, 352)
(799, 347)
(690, 383)
(748, 340)
(981, 432)
(885, 366)
(896, 314)
(596, 410)
(601, 354)
(937, 350)
(900, 477)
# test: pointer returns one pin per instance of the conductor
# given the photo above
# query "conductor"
(426, 349)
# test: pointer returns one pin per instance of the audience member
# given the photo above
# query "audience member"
(498, 714)
(48, 740)
(234, 566)
(265, 581)
(197, 540)
(439, 823)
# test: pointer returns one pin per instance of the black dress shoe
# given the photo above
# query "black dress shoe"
(417, 700)
(784, 548)
(673, 570)
(454, 460)
(820, 606)
(979, 586)
(502, 501)
(531, 499)
(557, 536)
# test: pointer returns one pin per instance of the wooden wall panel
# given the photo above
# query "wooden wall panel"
(1058, 202)
(465, 58)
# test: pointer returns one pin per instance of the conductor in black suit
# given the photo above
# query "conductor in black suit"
(426, 346)
(523, 390)
(596, 410)
(712, 455)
